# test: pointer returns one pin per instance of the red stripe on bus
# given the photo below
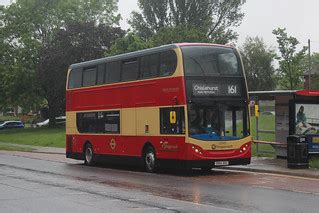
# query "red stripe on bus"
(157, 92)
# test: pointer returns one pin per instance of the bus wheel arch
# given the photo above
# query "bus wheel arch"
(149, 157)
(88, 154)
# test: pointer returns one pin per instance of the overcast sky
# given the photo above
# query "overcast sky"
(300, 17)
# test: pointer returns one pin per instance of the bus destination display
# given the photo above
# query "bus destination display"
(213, 89)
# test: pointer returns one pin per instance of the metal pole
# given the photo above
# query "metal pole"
(309, 68)
(257, 129)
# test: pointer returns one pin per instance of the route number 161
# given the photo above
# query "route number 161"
(232, 89)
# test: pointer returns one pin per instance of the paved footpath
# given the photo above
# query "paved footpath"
(276, 166)
(258, 164)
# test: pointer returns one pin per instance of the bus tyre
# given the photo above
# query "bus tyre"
(88, 155)
(150, 161)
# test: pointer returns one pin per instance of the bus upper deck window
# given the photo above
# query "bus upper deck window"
(228, 63)
(130, 69)
(149, 66)
(113, 72)
(100, 74)
(75, 78)
(168, 63)
(89, 77)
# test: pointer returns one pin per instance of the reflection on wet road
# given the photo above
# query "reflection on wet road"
(68, 185)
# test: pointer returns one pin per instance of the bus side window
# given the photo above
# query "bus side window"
(98, 122)
(168, 63)
(75, 78)
(89, 77)
(113, 72)
(86, 122)
(112, 122)
(149, 66)
(100, 74)
(172, 128)
(130, 70)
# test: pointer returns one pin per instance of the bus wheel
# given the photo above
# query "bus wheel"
(88, 155)
(150, 161)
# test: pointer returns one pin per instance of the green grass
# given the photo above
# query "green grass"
(314, 162)
(265, 150)
(266, 122)
(37, 137)
(9, 118)
(9, 147)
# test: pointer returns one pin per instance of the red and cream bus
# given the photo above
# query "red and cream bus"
(182, 105)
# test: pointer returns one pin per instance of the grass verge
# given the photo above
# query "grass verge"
(8, 147)
(266, 122)
(9, 118)
(264, 150)
(314, 162)
(37, 137)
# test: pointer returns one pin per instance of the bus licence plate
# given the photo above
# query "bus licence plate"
(221, 163)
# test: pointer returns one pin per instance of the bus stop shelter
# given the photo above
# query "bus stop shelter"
(287, 104)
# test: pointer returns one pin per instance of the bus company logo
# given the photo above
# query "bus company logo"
(221, 146)
(169, 90)
(113, 144)
(168, 147)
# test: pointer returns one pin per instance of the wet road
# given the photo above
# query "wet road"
(33, 182)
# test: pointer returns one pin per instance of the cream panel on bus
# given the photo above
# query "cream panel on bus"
(179, 67)
(148, 122)
(71, 123)
(128, 121)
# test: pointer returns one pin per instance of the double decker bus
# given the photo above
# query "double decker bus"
(182, 105)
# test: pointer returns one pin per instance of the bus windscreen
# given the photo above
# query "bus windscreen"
(223, 121)
(210, 61)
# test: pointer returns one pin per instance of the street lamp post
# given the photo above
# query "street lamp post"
(309, 66)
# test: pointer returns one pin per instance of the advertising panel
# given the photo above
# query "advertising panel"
(307, 119)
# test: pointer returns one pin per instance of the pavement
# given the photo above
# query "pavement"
(258, 164)
(275, 166)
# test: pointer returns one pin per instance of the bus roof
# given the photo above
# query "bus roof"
(141, 53)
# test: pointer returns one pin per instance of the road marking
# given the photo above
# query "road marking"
(77, 193)
(264, 187)
(270, 174)
(305, 192)
(134, 199)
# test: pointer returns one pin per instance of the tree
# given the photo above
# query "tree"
(29, 25)
(76, 43)
(258, 63)
(290, 61)
(128, 43)
(168, 35)
(315, 71)
(215, 18)
(37, 19)
(17, 85)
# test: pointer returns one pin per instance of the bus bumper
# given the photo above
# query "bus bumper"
(188, 164)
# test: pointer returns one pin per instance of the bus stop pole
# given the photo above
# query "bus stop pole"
(257, 124)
